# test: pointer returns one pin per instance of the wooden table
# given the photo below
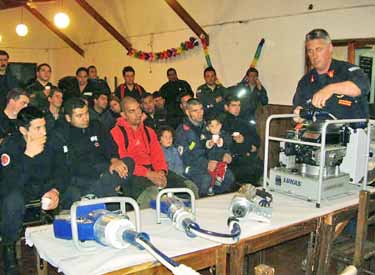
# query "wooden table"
(292, 218)
(211, 257)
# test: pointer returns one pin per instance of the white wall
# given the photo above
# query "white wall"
(282, 23)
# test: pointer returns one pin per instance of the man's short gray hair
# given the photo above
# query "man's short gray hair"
(317, 34)
(192, 102)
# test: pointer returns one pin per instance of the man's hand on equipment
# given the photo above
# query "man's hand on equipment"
(54, 196)
(35, 146)
(212, 165)
(320, 98)
(118, 166)
(296, 111)
(227, 158)
(158, 178)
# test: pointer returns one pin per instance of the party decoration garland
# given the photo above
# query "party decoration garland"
(169, 53)
(205, 50)
(255, 58)
(257, 53)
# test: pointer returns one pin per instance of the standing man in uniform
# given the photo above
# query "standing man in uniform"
(40, 89)
(80, 86)
(171, 91)
(26, 175)
(210, 94)
(339, 87)
(101, 83)
(252, 94)
(7, 81)
(129, 87)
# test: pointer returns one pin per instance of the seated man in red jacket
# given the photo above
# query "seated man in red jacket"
(140, 142)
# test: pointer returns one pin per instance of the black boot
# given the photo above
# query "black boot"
(10, 260)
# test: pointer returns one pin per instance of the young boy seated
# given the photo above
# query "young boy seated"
(170, 151)
(217, 143)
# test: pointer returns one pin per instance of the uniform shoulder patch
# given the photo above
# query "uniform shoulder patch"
(352, 69)
(185, 127)
(5, 160)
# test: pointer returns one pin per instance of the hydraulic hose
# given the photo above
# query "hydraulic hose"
(231, 238)
(142, 241)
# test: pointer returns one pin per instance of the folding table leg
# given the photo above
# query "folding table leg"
(41, 265)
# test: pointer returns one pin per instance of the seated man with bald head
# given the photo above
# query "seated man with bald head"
(139, 142)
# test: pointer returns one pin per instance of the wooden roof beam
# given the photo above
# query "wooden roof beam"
(105, 24)
(54, 29)
(186, 17)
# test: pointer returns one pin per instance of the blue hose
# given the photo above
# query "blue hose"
(161, 254)
(235, 233)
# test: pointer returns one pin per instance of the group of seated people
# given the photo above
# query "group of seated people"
(67, 141)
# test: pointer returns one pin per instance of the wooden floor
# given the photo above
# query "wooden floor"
(285, 258)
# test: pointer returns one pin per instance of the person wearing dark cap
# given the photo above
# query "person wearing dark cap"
(129, 87)
(171, 92)
(339, 87)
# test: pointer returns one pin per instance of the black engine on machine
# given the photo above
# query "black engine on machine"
(336, 138)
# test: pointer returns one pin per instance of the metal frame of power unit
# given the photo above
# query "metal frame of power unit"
(321, 145)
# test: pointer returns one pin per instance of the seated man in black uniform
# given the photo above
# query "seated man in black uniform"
(25, 176)
(100, 112)
(246, 165)
(87, 156)
(53, 112)
(339, 87)
(16, 100)
(153, 118)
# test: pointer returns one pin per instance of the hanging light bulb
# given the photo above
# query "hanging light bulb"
(22, 30)
(1, 38)
(61, 20)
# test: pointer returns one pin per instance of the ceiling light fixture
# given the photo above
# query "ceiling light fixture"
(61, 19)
(21, 29)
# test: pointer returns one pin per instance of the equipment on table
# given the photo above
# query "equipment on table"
(90, 220)
(325, 159)
(251, 203)
(182, 215)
